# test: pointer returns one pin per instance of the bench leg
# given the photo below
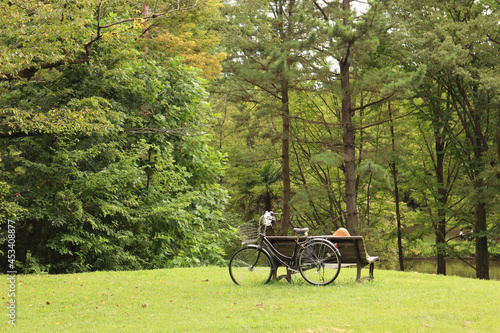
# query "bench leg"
(358, 275)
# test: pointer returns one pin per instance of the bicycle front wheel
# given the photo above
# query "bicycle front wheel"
(319, 262)
(250, 266)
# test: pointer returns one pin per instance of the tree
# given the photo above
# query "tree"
(105, 151)
(350, 38)
(264, 45)
(459, 46)
(48, 35)
(297, 49)
(394, 171)
(191, 35)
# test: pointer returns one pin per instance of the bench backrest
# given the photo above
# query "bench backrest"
(352, 249)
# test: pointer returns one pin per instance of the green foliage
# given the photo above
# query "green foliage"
(129, 199)
(107, 162)
(426, 69)
(327, 158)
(368, 167)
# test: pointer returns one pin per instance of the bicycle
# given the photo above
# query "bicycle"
(316, 259)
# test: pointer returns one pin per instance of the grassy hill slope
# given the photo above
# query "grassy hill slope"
(206, 300)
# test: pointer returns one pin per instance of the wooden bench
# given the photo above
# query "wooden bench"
(352, 250)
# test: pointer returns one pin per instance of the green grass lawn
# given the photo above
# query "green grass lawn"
(206, 300)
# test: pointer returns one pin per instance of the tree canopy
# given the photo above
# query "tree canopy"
(105, 149)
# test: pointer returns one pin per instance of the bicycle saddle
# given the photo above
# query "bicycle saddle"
(301, 231)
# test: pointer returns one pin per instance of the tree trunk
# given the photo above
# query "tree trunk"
(285, 157)
(440, 245)
(482, 260)
(498, 136)
(268, 202)
(285, 32)
(478, 140)
(440, 228)
(349, 155)
(398, 217)
(394, 171)
(348, 138)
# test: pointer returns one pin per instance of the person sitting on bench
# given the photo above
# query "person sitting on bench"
(341, 232)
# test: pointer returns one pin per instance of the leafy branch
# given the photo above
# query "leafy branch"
(178, 7)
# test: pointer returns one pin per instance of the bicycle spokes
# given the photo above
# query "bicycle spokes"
(319, 263)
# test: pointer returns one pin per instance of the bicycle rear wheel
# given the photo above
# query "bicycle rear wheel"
(319, 262)
(250, 266)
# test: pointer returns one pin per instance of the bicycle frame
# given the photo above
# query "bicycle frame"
(290, 262)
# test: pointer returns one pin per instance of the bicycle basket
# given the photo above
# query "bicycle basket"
(249, 233)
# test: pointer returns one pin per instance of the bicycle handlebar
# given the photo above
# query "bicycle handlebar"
(268, 218)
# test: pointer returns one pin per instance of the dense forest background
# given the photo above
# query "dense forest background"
(140, 134)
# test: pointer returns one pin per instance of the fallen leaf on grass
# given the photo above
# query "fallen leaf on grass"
(260, 305)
